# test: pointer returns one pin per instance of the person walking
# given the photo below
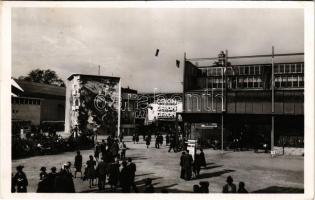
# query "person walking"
(157, 142)
(197, 165)
(167, 139)
(101, 174)
(20, 180)
(97, 151)
(124, 178)
(114, 175)
(172, 144)
(78, 164)
(90, 173)
(230, 187)
(134, 138)
(148, 141)
(132, 169)
(202, 158)
(241, 188)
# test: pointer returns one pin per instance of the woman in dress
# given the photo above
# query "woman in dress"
(91, 170)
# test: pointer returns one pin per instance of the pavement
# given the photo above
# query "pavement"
(260, 172)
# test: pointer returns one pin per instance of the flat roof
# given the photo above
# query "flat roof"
(92, 76)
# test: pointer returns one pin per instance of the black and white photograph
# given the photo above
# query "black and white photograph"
(159, 99)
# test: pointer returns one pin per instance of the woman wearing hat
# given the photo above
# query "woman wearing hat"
(43, 174)
(20, 180)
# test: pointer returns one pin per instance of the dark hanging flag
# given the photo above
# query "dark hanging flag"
(177, 63)
(157, 52)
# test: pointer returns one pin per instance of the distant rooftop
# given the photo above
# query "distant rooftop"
(41, 90)
(93, 76)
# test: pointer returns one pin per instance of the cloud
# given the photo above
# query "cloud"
(123, 40)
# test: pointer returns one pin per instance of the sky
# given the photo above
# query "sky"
(123, 41)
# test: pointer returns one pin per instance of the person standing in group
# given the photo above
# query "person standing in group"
(188, 160)
(182, 170)
(137, 138)
(64, 182)
(78, 164)
(101, 173)
(91, 170)
(114, 175)
(103, 147)
(134, 138)
(51, 179)
(43, 174)
(20, 180)
(132, 169)
(124, 178)
(97, 151)
(114, 149)
(147, 141)
(43, 181)
(230, 187)
(241, 188)
(123, 149)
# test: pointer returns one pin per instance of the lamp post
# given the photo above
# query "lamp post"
(154, 89)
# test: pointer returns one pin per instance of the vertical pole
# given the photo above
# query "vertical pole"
(99, 70)
(222, 132)
(184, 101)
(272, 100)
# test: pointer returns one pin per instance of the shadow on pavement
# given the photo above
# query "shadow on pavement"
(277, 189)
(214, 174)
(144, 174)
(211, 167)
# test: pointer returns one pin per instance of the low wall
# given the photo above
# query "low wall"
(289, 151)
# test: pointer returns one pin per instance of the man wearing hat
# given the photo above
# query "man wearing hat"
(20, 180)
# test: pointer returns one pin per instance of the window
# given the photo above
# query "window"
(295, 81)
(246, 70)
(278, 82)
(301, 81)
(257, 70)
(287, 68)
(281, 68)
(276, 69)
(284, 83)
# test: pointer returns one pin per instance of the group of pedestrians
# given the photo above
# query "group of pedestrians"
(52, 182)
(189, 165)
(230, 187)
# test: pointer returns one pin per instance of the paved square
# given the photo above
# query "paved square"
(259, 171)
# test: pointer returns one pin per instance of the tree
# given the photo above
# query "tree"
(43, 76)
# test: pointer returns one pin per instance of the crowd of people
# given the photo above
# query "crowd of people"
(110, 165)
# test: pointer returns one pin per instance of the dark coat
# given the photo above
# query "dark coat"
(226, 188)
(20, 180)
(64, 183)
